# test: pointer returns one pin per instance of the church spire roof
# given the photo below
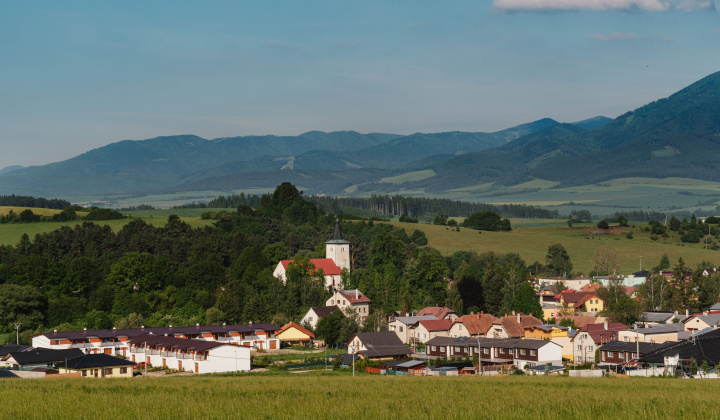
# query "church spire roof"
(337, 235)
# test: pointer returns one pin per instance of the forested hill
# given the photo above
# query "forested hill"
(185, 162)
(89, 276)
(672, 137)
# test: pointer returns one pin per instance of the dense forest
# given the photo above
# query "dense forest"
(29, 201)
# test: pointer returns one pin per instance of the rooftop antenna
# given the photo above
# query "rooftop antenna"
(17, 332)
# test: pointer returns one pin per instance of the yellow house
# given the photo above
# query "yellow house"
(558, 334)
(293, 333)
(574, 301)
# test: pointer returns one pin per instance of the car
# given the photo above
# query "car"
(138, 373)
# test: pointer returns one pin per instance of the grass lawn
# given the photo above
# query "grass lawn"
(532, 238)
(339, 395)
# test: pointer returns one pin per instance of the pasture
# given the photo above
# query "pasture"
(339, 395)
(531, 238)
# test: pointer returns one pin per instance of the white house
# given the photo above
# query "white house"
(404, 326)
(351, 299)
(189, 355)
(316, 313)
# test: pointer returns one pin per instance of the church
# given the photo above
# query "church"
(337, 252)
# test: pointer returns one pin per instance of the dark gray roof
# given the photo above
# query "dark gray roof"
(133, 332)
(337, 235)
(37, 355)
(382, 344)
(702, 347)
(6, 373)
(347, 359)
(9, 348)
(661, 328)
(94, 361)
(174, 343)
(656, 316)
(631, 347)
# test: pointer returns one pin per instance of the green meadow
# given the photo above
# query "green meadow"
(333, 395)
(531, 238)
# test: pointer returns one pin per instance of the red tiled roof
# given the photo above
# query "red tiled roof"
(592, 287)
(327, 265)
(477, 323)
(601, 335)
(297, 327)
(350, 296)
(582, 321)
(437, 324)
(436, 311)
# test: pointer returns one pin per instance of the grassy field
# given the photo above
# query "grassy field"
(532, 238)
(332, 395)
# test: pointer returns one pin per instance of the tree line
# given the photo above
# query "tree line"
(30, 201)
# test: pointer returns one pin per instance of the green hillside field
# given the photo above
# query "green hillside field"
(339, 395)
(531, 238)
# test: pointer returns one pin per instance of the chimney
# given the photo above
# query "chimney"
(518, 318)
(687, 312)
(605, 324)
(357, 294)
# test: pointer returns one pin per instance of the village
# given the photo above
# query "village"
(435, 341)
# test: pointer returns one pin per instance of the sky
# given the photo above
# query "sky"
(78, 75)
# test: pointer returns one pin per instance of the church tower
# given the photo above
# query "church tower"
(338, 249)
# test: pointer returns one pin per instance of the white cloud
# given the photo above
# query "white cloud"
(615, 36)
(645, 5)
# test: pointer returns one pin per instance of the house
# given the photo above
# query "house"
(337, 252)
(702, 321)
(117, 342)
(581, 321)
(378, 345)
(650, 318)
(512, 326)
(316, 313)
(619, 352)
(353, 299)
(656, 334)
(37, 357)
(472, 325)
(191, 355)
(404, 326)
(8, 348)
(575, 302)
(292, 333)
(97, 366)
(430, 328)
(703, 347)
(496, 351)
(558, 334)
(591, 337)
(577, 283)
(438, 312)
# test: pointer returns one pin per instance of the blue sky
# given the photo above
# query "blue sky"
(78, 75)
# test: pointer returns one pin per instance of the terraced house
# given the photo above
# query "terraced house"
(117, 342)
(497, 351)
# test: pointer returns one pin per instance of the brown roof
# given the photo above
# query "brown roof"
(350, 295)
(477, 324)
(323, 311)
(592, 287)
(577, 298)
(436, 311)
(437, 324)
(513, 328)
(601, 335)
(297, 327)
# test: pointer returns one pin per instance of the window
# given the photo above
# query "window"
(432, 348)
(457, 349)
(611, 354)
(442, 348)
(579, 347)
(460, 327)
(522, 352)
(108, 371)
(84, 373)
(533, 353)
(401, 329)
(486, 351)
(310, 319)
(123, 370)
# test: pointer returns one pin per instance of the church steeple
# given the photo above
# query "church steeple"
(338, 249)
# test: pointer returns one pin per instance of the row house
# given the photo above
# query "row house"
(255, 336)
(655, 334)
(519, 352)
(189, 355)
(620, 353)
(472, 325)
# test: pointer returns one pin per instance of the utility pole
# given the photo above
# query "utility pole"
(17, 332)
(641, 263)
(352, 353)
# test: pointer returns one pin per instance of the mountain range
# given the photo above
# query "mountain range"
(675, 136)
